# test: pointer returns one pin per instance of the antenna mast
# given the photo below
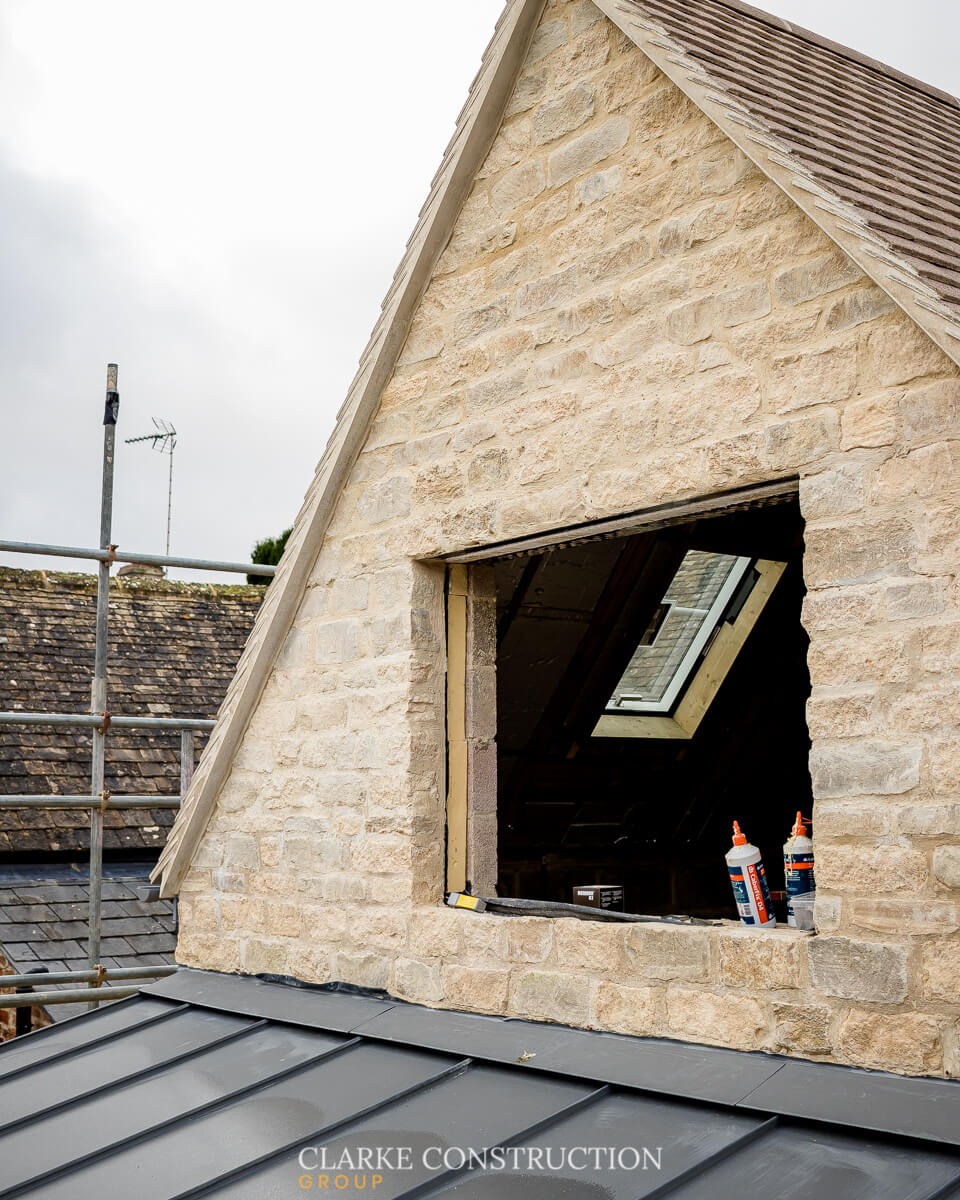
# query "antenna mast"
(164, 441)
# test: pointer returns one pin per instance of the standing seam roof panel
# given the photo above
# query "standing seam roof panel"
(226, 1107)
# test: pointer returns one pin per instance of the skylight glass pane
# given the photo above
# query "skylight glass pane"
(695, 601)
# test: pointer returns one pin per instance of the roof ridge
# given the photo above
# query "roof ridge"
(843, 51)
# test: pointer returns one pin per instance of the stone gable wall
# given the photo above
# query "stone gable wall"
(627, 313)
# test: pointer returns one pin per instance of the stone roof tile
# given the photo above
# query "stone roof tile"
(173, 649)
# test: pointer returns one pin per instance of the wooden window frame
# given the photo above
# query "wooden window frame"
(471, 730)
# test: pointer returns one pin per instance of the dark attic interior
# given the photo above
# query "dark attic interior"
(651, 689)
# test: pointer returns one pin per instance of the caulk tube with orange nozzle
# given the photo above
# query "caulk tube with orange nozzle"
(749, 881)
(798, 866)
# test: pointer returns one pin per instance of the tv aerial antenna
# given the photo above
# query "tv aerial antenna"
(164, 441)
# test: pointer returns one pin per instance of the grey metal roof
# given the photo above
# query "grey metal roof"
(43, 921)
(209, 1085)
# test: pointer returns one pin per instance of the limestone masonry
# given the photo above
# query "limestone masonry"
(628, 312)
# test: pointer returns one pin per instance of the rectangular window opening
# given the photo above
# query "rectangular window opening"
(615, 704)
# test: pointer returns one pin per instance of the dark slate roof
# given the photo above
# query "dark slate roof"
(884, 144)
(173, 649)
(210, 1085)
(43, 922)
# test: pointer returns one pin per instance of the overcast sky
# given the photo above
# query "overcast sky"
(215, 195)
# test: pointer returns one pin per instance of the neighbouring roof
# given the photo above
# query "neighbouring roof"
(871, 156)
(43, 922)
(210, 1085)
(173, 650)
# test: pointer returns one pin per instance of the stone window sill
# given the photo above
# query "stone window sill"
(723, 925)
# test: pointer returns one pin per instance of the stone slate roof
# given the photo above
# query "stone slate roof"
(874, 148)
(43, 921)
(173, 650)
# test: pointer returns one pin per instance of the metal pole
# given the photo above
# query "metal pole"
(131, 556)
(79, 720)
(98, 697)
(186, 760)
(110, 975)
(67, 996)
(170, 495)
(56, 800)
(186, 778)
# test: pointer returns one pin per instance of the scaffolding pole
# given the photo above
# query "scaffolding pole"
(186, 760)
(108, 975)
(98, 692)
(99, 720)
(104, 801)
(79, 720)
(94, 997)
(129, 556)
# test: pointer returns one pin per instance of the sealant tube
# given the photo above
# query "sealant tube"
(749, 881)
(798, 866)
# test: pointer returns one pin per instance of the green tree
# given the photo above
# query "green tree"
(268, 552)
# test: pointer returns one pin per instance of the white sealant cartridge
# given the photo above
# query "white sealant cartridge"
(749, 881)
(798, 867)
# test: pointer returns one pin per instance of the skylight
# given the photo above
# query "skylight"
(680, 633)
